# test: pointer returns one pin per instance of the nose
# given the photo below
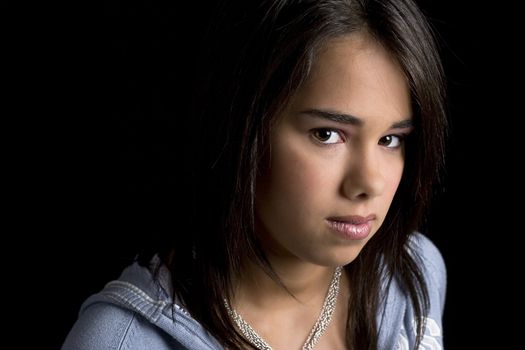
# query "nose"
(364, 177)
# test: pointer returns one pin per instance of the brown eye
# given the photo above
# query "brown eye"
(327, 136)
(391, 141)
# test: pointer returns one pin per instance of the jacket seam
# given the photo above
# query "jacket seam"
(126, 332)
(139, 292)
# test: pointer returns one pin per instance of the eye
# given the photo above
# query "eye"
(327, 136)
(392, 141)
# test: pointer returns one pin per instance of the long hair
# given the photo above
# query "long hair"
(257, 55)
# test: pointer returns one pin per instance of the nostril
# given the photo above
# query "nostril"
(363, 195)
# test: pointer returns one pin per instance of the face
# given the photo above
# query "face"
(336, 156)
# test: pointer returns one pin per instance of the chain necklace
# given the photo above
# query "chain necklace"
(317, 330)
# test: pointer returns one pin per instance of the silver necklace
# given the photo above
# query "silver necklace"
(317, 330)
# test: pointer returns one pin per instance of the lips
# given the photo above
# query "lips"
(353, 219)
(351, 227)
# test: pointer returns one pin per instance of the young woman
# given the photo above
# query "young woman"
(320, 140)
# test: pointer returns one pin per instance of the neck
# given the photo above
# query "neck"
(295, 316)
(304, 283)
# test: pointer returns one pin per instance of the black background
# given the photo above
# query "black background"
(99, 95)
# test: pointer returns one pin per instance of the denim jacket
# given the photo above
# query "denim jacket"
(137, 312)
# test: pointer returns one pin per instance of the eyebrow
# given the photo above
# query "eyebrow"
(350, 119)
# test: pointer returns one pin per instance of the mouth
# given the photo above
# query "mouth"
(353, 219)
(352, 227)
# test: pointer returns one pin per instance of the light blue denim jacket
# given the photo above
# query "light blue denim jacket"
(135, 312)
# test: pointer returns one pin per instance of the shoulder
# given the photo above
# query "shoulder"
(396, 315)
(434, 273)
(431, 261)
(108, 326)
(426, 247)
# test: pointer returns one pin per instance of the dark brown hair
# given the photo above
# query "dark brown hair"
(257, 55)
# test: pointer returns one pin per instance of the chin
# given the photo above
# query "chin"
(346, 254)
(341, 257)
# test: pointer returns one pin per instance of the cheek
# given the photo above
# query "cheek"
(294, 176)
(393, 179)
(292, 181)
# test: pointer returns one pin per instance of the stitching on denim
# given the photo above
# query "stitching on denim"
(181, 309)
(147, 299)
(124, 335)
(137, 298)
(134, 289)
(204, 339)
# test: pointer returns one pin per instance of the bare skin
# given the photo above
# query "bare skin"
(322, 168)
(285, 322)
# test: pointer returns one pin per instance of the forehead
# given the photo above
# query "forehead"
(355, 74)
